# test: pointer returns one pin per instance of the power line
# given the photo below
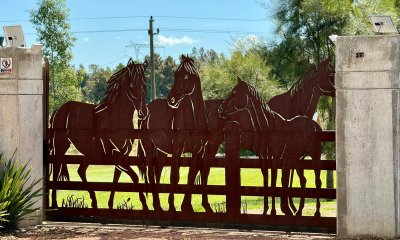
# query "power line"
(210, 31)
(164, 16)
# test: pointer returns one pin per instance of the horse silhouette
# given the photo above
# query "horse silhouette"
(180, 114)
(273, 138)
(95, 130)
(303, 96)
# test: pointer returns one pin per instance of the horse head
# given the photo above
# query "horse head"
(187, 80)
(325, 74)
(236, 101)
(136, 86)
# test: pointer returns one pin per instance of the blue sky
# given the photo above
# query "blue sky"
(210, 26)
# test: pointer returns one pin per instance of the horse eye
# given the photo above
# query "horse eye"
(186, 76)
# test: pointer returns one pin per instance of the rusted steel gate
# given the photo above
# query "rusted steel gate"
(103, 133)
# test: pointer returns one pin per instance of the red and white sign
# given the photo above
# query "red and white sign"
(5, 65)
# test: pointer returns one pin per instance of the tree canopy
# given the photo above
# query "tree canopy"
(54, 33)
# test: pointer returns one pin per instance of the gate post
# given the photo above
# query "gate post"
(21, 116)
(232, 169)
(368, 136)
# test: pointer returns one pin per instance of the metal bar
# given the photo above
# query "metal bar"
(218, 162)
(303, 221)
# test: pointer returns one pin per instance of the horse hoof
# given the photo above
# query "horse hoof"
(172, 209)
(187, 208)
(158, 209)
(207, 208)
(273, 212)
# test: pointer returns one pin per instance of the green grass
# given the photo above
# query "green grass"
(249, 177)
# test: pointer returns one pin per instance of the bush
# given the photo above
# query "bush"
(17, 193)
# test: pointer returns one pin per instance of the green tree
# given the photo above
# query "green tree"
(164, 74)
(52, 26)
(219, 74)
(303, 29)
(96, 83)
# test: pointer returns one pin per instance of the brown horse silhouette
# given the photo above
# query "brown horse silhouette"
(182, 112)
(92, 129)
(303, 96)
(273, 138)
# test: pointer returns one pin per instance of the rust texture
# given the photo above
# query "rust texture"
(186, 131)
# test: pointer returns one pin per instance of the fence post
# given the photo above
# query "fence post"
(232, 169)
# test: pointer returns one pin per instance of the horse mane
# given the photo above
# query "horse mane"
(114, 85)
(188, 64)
(299, 84)
(253, 92)
(309, 76)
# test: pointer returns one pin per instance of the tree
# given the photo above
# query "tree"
(96, 83)
(53, 29)
(164, 74)
(304, 27)
(219, 74)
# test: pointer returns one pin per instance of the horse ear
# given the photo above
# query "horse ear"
(238, 79)
(145, 64)
(130, 61)
(183, 57)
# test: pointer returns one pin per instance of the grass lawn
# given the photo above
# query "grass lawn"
(249, 177)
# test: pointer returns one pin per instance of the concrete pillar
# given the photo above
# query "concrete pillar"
(367, 136)
(21, 116)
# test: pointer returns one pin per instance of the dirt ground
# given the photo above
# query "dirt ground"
(99, 231)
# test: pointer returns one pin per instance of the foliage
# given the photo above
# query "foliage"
(17, 192)
(126, 205)
(96, 83)
(53, 29)
(358, 22)
(164, 75)
(219, 74)
(74, 202)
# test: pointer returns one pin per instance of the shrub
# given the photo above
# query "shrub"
(17, 192)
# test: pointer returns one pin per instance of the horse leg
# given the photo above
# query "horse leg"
(154, 178)
(316, 157)
(264, 170)
(318, 184)
(157, 172)
(193, 170)
(82, 174)
(174, 178)
(59, 148)
(135, 179)
(117, 174)
(274, 173)
(284, 197)
(205, 172)
(303, 182)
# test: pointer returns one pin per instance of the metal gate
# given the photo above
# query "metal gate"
(185, 132)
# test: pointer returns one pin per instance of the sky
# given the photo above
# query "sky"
(105, 29)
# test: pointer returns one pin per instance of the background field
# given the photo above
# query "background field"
(249, 177)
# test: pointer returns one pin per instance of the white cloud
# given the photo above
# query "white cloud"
(86, 39)
(172, 41)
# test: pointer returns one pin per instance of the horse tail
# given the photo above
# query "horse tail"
(58, 124)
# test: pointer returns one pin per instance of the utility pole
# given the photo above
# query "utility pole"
(152, 75)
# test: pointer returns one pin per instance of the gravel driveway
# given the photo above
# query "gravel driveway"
(84, 231)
